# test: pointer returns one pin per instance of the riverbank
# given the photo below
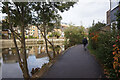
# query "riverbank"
(6, 43)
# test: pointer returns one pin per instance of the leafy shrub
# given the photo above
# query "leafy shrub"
(74, 35)
(103, 46)
(55, 34)
(31, 37)
(116, 53)
(51, 35)
(26, 37)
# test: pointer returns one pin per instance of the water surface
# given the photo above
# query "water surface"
(36, 58)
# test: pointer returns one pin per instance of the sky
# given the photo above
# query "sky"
(85, 11)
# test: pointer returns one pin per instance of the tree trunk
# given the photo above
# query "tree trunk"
(46, 43)
(17, 50)
(23, 51)
(49, 42)
(23, 47)
(54, 55)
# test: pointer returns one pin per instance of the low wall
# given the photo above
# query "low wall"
(6, 43)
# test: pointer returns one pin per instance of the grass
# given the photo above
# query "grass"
(93, 52)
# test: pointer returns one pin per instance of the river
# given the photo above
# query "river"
(36, 58)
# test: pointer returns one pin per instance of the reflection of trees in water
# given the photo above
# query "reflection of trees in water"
(58, 49)
(10, 54)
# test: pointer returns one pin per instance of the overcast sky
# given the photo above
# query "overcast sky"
(85, 11)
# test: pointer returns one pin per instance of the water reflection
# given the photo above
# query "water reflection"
(36, 57)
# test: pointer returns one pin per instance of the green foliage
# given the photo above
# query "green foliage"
(26, 37)
(103, 48)
(96, 27)
(19, 13)
(5, 24)
(37, 13)
(51, 35)
(74, 35)
(55, 34)
(105, 42)
(47, 13)
(31, 37)
(93, 34)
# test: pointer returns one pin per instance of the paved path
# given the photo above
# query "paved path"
(75, 63)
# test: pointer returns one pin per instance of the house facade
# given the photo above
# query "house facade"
(32, 32)
(112, 16)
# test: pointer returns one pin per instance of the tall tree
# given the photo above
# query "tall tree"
(47, 14)
(19, 14)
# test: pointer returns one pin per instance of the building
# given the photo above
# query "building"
(5, 34)
(63, 26)
(108, 17)
(112, 16)
(32, 32)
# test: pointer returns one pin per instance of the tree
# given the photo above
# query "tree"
(74, 34)
(96, 27)
(5, 24)
(47, 14)
(19, 14)
(93, 34)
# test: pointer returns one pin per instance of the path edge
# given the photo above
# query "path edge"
(46, 67)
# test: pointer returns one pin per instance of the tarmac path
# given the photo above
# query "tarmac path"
(75, 63)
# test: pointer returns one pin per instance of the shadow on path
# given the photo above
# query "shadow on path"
(75, 63)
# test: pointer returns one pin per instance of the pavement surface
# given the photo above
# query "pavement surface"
(75, 63)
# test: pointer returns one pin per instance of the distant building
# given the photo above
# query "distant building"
(33, 31)
(111, 17)
(108, 17)
(5, 34)
(63, 26)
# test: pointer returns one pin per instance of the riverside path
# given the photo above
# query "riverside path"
(75, 63)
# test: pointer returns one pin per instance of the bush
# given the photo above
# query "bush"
(51, 35)
(103, 46)
(31, 37)
(26, 37)
(74, 34)
(55, 34)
